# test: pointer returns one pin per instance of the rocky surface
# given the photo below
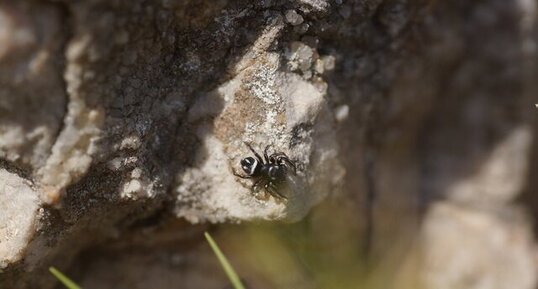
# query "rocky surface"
(20, 209)
(121, 124)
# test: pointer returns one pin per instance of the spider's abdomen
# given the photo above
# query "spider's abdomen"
(251, 166)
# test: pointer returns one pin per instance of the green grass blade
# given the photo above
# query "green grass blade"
(234, 279)
(66, 281)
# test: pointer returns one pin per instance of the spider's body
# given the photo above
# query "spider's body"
(268, 173)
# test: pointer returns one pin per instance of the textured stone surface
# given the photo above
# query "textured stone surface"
(148, 117)
(32, 91)
(495, 255)
(414, 117)
(260, 106)
(20, 207)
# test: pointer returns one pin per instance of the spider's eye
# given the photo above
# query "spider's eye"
(249, 165)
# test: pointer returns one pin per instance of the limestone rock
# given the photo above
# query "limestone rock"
(20, 209)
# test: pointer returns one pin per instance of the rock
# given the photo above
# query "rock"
(301, 57)
(32, 92)
(121, 124)
(130, 123)
(260, 106)
(487, 238)
(319, 6)
(293, 18)
(19, 216)
(342, 113)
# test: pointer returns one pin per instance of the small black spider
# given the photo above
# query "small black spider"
(269, 174)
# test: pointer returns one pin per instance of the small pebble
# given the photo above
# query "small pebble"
(293, 18)
(341, 113)
(301, 56)
(136, 173)
(302, 29)
(329, 62)
(319, 66)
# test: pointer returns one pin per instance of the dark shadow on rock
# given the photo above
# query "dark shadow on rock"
(529, 197)
(430, 101)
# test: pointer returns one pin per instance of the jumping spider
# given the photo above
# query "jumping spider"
(269, 174)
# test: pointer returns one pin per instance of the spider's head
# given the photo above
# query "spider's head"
(250, 165)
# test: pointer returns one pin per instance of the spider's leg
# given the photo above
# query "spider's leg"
(273, 190)
(256, 189)
(238, 175)
(267, 159)
(292, 164)
(277, 156)
(284, 159)
(255, 153)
